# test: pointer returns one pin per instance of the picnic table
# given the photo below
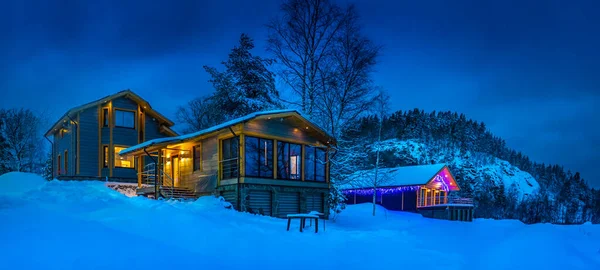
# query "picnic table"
(321, 215)
(303, 218)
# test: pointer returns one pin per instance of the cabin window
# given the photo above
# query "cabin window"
(197, 158)
(58, 165)
(289, 161)
(124, 119)
(259, 157)
(66, 162)
(314, 168)
(105, 153)
(105, 117)
(123, 162)
(229, 160)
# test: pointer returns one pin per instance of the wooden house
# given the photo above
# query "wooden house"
(425, 189)
(86, 140)
(272, 163)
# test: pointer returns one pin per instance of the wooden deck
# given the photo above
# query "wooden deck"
(167, 192)
(458, 212)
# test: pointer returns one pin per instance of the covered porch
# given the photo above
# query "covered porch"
(409, 188)
(165, 170)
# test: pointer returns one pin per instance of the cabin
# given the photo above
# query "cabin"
(424, 189)
(271, 163)
(87, 139)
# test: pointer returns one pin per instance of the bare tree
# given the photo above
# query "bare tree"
(347, 84)
(302, 39)
(198, 114)
(23, 141)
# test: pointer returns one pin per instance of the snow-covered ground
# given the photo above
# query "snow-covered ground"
(85, 225)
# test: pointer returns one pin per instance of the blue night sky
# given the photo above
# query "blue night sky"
(528, 69)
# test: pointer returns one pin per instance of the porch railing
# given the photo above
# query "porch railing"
(443, 200)
(150, 177)
(229, 168)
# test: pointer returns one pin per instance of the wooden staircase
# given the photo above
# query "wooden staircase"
(177, 193)
(166, 189)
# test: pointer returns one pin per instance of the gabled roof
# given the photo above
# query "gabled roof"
(191, 136)
(125, 93)
(422, 175)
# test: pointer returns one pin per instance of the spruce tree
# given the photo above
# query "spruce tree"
(246, 85)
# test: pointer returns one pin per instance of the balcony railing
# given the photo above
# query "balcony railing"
(229, 168)
(443, 200)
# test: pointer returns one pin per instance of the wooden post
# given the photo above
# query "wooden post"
(157, 174)
(402, 201)
(139, 170)
(274, 159)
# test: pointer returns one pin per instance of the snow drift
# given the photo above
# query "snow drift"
(86, 225)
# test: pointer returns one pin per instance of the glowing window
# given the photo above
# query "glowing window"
(123, 162)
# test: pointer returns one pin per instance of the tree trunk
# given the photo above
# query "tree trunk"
(375, 183)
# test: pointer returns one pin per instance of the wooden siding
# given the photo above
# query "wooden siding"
(287, 203)
(88, 159)
(259, 202)
(230, 196)
(88, 142)
(285, 129)
(314, 202)
(66, 143)
(206, 179)
(152, 128)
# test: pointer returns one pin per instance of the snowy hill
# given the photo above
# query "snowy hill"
(504, 182)
(85, 225)
(484, 168)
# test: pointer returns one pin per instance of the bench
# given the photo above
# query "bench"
(302, 218)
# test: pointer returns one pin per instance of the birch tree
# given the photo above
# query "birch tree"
(381, 107)
(302, 39)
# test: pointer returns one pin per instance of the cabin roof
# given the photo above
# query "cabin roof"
(421, 175)
(190, 136)
(125, 93)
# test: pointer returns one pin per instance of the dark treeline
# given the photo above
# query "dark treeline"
(564, 197)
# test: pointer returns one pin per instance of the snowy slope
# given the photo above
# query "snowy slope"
(495, 169)
(85, 225)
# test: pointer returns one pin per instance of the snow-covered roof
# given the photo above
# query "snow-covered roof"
(227, 124)
(398, 177)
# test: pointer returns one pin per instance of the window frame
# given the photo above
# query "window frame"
(114, 159)
(289, 160)
(315, 164)
(105, 117)
(222, 143)
(125, 112)
(58, 163)
(66, 161)
(197, 156)
(105, 156)
(258, 153)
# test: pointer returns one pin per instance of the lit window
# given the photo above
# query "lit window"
(289, 161)
(105, 157)
(124, 119)
(123, 162)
